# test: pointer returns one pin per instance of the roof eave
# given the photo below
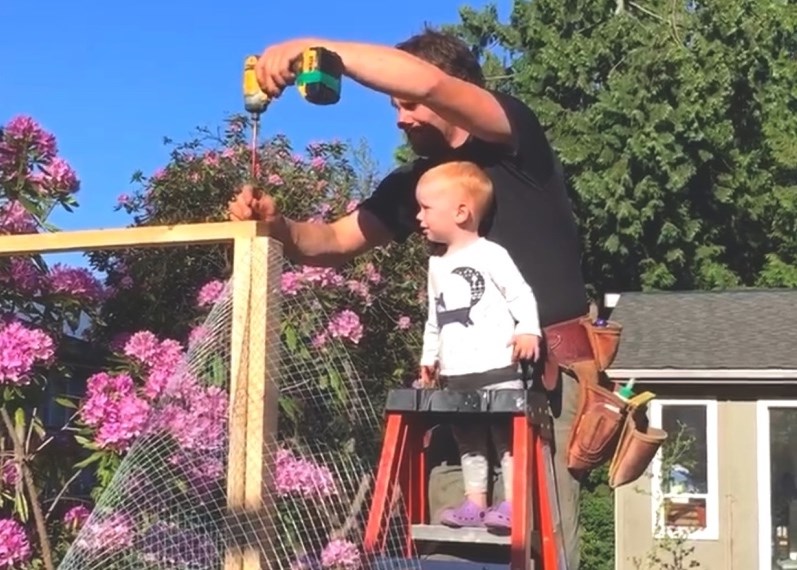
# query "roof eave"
(782, 375)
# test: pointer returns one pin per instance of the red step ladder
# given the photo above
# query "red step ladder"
(536, 532)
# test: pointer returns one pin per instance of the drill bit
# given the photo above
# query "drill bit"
(255, 170)
(255, 102)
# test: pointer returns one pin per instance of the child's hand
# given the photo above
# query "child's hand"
(526, 347)
(428, 376)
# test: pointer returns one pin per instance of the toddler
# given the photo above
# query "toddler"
(482, 321)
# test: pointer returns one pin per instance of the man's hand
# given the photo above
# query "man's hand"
(526, 347)
(274, 68)
(249, 205)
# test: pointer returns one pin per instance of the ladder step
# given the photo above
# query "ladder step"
(428, 564)
(440, 533)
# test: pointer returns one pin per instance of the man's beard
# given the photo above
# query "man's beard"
(427, 141)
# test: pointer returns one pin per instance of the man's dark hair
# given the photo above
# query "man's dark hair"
(447, 52)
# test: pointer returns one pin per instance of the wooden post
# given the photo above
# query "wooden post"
(254, 401)
(239, 380)
(263, 400)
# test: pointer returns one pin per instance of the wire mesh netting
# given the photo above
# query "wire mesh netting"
(215, 480)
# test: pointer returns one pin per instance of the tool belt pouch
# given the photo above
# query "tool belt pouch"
(637, 446)
(600, 419)
(604, 340)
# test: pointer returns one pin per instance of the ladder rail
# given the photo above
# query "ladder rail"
(522, 495)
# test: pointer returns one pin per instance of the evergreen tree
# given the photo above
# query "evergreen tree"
(676, 125)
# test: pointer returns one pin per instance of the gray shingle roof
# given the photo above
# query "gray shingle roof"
(737, 329)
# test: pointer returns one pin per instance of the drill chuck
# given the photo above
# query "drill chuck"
(255, 100)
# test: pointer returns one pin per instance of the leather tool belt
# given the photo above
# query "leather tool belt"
(607, 427)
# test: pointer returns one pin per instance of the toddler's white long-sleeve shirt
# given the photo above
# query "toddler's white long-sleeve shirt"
(478, 301)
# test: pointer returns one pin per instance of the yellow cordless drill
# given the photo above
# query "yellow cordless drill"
(318, 78)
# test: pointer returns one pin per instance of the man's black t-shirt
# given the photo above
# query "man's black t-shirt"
(532, 215)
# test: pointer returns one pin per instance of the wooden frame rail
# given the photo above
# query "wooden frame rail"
(253, 358)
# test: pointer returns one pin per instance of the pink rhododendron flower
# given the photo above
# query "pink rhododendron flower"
(15, 219)
(297, 476)
(210, 293)
(164, 365)
(20, 274)
(275, 180)
(110, 533)
(20, 349)
(403, 323)
(161, 360)
(9, 474)
(346, 325)
(142, 346)
(102, 391)
(320, 340)
(113, 408)
(203, 471)
(75, 517)
(317, 163)
(291, 283)
(124, 421)
(321, 276)
(14, 544)
(211, 158)
(22, 133)
(60, 178)
(372, 274)
(198, 335)
(77, 282)
(360, 289)
(341, 554)
(196, 417)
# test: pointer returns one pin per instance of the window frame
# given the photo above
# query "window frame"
(711, 530)
(764, 475)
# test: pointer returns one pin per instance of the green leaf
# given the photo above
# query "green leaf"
(84, 441)
(19, 420)
(38, 427)
(93, 458)
(21, 507)
(66, 402)
(290, 338)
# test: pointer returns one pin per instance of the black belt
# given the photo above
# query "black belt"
(478, 380)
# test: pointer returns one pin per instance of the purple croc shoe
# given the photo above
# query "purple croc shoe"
(499, 519)
(468, 514)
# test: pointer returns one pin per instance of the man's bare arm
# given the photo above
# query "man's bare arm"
(405, 76)
(330, 244)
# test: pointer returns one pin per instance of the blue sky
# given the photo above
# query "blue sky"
(110, 80)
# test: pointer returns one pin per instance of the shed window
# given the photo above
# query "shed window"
(685, 477)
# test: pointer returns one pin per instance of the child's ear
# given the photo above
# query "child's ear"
(461, 214)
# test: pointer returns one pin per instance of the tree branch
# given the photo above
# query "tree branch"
(33, 494)
(61, 493)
